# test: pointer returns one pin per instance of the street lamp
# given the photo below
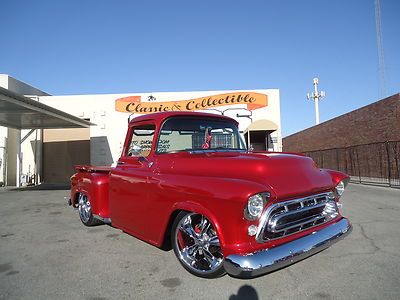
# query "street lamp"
(316, 96)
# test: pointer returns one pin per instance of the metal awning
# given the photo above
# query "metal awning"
(259, 125)
(266, 125)
(17, 111)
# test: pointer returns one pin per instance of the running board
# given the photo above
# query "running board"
(104, 220)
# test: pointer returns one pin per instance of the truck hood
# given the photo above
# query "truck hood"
(285, 175)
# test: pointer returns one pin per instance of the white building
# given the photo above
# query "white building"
(57, 150)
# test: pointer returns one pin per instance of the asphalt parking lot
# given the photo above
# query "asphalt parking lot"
(46, 253)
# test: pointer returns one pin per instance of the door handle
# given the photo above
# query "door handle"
(142, 159)
(120, 163)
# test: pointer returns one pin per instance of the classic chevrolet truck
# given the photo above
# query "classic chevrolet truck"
(186, 181)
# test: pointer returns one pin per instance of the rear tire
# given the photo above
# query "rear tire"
(85, 211)
(196, 245)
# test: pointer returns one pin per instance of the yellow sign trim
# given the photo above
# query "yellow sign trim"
(133, 104)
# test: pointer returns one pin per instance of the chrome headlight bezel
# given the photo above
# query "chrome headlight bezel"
(339, 188)
(255, 206)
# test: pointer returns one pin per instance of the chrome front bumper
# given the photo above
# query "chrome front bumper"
(269, 260)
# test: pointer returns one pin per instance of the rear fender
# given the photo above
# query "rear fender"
(95, 187)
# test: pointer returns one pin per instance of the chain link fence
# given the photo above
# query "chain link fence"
(377, 163)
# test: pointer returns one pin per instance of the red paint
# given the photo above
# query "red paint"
(140, 198)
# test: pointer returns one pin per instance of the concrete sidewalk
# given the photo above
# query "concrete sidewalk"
(46, 253)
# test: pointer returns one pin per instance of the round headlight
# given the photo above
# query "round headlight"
(255, 205)
(340, 188)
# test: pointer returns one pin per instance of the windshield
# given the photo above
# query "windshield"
(192, 134)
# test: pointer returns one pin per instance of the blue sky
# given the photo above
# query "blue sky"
(86, 47)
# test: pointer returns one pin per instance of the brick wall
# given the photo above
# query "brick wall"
(377, 122)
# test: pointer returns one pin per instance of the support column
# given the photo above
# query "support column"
(19, 159)
(13, 156)
(3, 159)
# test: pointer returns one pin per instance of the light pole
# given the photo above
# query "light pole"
(316, 96)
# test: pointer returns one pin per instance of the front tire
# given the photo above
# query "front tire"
(85, 211)
(196, 245)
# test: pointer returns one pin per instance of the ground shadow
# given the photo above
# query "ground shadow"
(246, 292)
(43, 187)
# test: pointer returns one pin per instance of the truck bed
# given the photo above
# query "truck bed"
(91, 169)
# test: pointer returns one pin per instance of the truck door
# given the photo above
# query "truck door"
(128, 180)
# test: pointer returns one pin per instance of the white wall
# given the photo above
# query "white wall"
(107, 136)
(109, 133)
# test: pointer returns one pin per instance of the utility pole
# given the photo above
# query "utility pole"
(316, 96)
(381, 55)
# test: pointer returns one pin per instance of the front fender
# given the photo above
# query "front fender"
(338, 176)
(221, 200)
(196, 207)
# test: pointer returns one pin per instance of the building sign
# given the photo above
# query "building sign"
(133, 104)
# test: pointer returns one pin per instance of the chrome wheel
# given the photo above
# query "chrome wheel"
(197, 245)
(84, 208)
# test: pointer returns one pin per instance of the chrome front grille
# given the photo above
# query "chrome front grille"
(289, 217)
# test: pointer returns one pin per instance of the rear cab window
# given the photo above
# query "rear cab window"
(141, 140)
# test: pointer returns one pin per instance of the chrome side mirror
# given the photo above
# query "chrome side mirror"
(134, 150)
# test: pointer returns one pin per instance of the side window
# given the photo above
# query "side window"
(141, 140)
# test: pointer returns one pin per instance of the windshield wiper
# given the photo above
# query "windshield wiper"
(200, 151)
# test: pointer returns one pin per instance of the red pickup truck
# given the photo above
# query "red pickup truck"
(186, 181)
